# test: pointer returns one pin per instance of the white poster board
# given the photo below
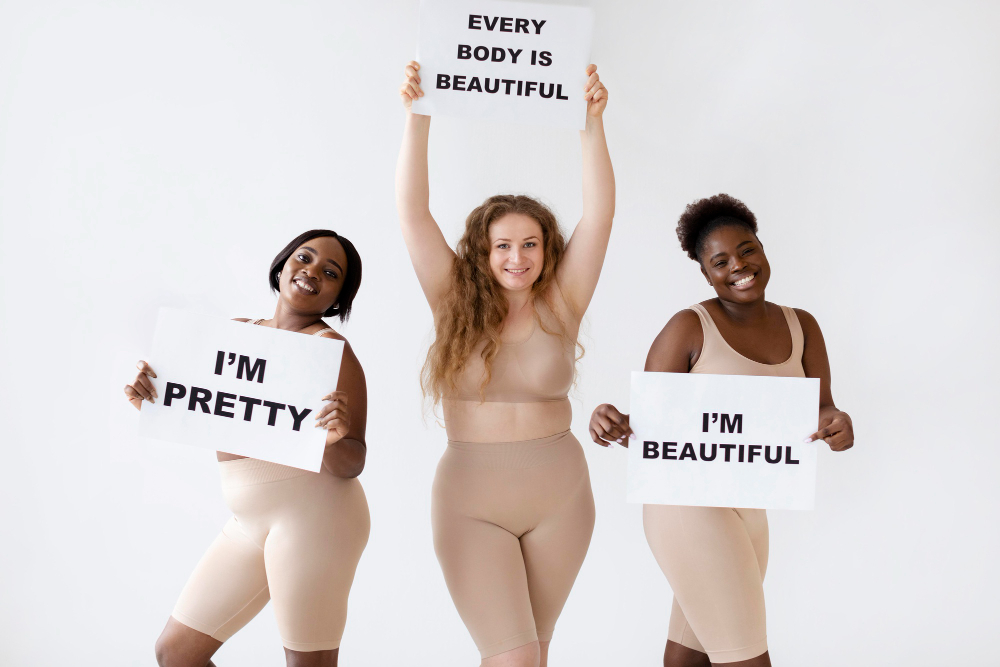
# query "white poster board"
(513, 61)
(237, 388)
(723, 440)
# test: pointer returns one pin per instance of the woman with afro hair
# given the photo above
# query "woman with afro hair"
(715, 557)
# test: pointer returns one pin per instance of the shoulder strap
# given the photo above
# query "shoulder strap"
(320, 333)
(795, 328)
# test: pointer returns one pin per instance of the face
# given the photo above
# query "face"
(313, 275)
(516, 252)
(733, 260)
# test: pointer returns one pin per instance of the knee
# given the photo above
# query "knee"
(528, 655)
(170, 652)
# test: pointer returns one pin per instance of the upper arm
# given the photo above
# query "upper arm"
(582, 262)
(352, 382)
(430, 255)
(815, 361)
(678, 345)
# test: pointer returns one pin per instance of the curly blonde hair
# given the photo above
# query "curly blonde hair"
(475, 307)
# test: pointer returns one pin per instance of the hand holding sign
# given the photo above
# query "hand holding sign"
(608, 425)
(410, 90)
(335, 416)
(141, 388)
(835, 429)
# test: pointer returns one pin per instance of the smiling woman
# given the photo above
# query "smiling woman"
(295, 537)
(715, 557)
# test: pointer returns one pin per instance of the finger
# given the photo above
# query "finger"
(414, 64)
(338, 425)
(139, 392)
(820, 434)
(415, 90)
(590, 82)
(591, 68)
(411, 74)
(331, 411)
(595, 438)
(336, 396)
(601, 94)
(147, 384)
(144, 368)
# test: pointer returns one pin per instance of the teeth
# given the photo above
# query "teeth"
(305, 285)
(517, 270)
(743, 281)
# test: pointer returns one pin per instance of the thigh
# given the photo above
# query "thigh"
(711, 564)
(227, 588)
(484, 569)
(311, 554)
(554, 552)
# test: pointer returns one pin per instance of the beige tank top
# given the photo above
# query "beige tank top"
(719, 358)
(525, 397)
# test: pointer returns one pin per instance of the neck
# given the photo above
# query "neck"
(516, 301)
(290, 320)
(744, 312)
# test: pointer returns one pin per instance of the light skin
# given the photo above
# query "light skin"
(309, 284)
(733, 263)
(516, 247)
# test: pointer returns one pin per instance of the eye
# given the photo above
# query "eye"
(332, 274)
(720, 264)
(530, 244)
(748, 251)
(502, 246)
(302, 257)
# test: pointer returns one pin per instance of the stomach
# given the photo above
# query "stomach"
(493, 421)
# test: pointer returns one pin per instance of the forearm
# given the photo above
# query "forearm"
(412, 189)
(345, 458)
(598, 174)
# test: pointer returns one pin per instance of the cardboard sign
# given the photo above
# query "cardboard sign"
(723, 440)
(513, 61)
(238, 388)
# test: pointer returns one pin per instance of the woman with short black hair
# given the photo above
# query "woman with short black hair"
(295, 536)
(715, 557)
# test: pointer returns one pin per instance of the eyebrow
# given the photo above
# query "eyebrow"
(712, 258)
(526, 238)
(312, 250)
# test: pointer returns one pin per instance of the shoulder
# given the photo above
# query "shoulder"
(806, 321)
(684, 326)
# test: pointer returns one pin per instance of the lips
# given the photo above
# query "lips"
(305, 285)
(746, 282)
(516, 272)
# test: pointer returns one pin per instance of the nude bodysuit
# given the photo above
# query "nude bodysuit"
(715, 557)
(295, 538)
(512, 507)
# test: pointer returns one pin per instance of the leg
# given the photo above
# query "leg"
(319, 531)
(710, 560)
(553, 554)
(311, 658)
(522, 656)
(678, 655)
(180, 646)
(227, 589)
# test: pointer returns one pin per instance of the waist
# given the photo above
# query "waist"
(496, 421)
(562, 448)
(236, 473)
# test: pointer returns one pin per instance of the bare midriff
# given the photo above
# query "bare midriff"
(496, 421)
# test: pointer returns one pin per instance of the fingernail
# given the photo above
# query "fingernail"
(808, 440)
(619, 441)
(631, 436)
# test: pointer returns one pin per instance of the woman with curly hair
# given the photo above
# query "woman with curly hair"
(512, 511)
(714, 557)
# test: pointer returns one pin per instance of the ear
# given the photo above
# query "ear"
(705, 273)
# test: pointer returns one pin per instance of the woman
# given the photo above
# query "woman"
(715, 557)
(296, 536)
(512, 508)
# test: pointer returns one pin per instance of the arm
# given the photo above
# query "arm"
(345, 418)
(835, 427)
(429, 252)
(675, 350)
(581, 265)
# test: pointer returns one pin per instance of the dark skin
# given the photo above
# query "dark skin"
(734, 264)
(309, 284)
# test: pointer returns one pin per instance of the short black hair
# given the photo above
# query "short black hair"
(352, 274)
(704, 216)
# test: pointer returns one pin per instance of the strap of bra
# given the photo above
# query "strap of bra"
(320, 333)
(795, 328)
(707, 323)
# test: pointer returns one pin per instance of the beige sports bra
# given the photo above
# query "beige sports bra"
(719, 358)
(525, 397)
(318, 333)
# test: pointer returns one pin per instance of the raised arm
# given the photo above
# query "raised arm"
(835, 426)
(581, 265)
(429, 252)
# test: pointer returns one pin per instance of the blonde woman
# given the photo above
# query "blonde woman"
(513, 511)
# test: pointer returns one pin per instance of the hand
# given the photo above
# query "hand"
(607, 425)
(835, 429)
(335, 417)
(141, 388)
(410, 90)
(596, 94)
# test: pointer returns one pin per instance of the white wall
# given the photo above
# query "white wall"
(160, 154)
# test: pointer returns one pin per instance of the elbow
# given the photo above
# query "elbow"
(346, 459)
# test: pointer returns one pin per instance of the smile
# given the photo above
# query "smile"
(516, 272)
(304, 286)
(744, 282)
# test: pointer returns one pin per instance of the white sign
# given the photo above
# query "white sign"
(238, 388)
(515, 61)
(723, 440)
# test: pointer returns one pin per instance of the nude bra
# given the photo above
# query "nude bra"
(719, 358)
(318, 333)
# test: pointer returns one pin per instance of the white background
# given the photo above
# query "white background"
(161, 154)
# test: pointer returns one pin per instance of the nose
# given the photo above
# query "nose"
(736, 264)
(515, 254)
